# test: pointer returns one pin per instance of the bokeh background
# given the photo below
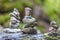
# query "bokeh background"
(43, 10)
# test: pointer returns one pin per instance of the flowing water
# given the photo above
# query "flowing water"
(20, 36)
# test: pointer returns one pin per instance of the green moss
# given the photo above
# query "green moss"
(41, 28)
(4, 18)
(21, 25)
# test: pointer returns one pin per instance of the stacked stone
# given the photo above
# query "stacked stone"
(14, 19)
(29, 22)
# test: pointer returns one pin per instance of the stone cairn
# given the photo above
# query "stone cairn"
(29, 22)
(14, 22)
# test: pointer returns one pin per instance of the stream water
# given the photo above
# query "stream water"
(20, 36)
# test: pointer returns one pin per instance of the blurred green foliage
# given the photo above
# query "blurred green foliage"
(52, 8)
(4, 18)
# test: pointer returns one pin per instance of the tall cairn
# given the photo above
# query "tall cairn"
(14, 22)
(14, 19)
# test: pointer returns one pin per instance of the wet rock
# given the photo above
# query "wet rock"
(29, 31)
(1, 28)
